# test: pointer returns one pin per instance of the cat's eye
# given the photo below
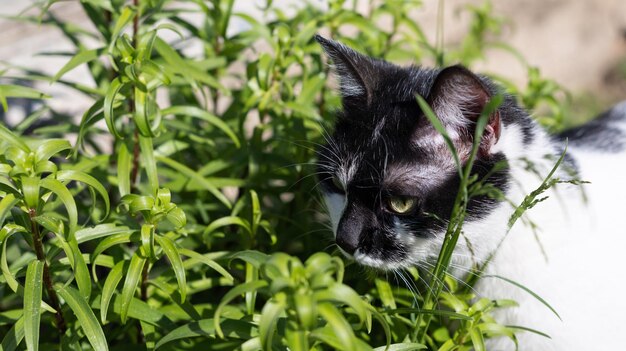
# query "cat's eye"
(337, 183)
(401, 204)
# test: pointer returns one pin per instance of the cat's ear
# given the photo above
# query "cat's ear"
(357, 73)
(458, 97)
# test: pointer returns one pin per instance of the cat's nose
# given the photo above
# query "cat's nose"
(350, 227)
(347, 243)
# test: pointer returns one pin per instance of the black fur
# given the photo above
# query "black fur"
(601, 133)
(378, 126)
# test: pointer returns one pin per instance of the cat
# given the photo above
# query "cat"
(389, 183)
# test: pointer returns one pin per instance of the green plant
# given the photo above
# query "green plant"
(188, 170)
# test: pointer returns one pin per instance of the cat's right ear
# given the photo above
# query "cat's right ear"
(458, 97)
(357, 78)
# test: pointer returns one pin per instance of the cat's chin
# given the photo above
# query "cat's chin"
(368, 261)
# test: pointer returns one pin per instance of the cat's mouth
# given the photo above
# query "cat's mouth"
(369, 261)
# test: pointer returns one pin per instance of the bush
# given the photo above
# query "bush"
(182, 214)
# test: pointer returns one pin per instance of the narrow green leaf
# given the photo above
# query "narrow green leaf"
(405, 346)
(124, 164)
(108, 108)
(339, 324)
(78, 59)
(18, 91)
(13, 337)
(206, 327)
(138, 310)
(93, 114)
(110, 241)
(203, 259)
(231, 295)
(66, 197)
(529, 330)
(345, 295)
(123, 20)
(30, 189)
(69, 175)
(8, 187)
(149, 163)
(50, 148)
(6, 204)
(175, 64)
(385, 293)
(101, 230)
(149, 332)
(32, 304)
(86, 318)
(140, 117)
(255, 258)
(177, 217)
(110, 284)
(5, 233)
(443, 313)
(81, 272)
(196, 112)
(170, 250)
(133, 276)
(477, 339)
(147, 241)
(256, 212)
(532, 293)
(8, 136)
(196, 177)
(228, 221)
(267, 324)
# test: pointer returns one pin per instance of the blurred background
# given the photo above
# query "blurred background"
(580, 44)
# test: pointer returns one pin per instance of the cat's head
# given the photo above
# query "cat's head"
(387, 176)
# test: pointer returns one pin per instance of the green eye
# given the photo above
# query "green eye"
(337, 183)
(401, 204)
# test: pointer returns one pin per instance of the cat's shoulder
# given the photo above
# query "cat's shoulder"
(606, 133)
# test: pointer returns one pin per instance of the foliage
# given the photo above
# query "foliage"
(182, 214)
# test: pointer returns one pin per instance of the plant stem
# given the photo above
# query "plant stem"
(41, 256)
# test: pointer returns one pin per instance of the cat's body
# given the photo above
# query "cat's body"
(390, 182)
(576, 261)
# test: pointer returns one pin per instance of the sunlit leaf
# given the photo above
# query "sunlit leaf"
(86, 318)
(123, 169)
(267, 324)
(110, 284)
(85, 178)
(133, 276)
(18, 91)
(170, 250)
(32, 303)
(193, 111)
(123, 20)
(78, 59)
(196, 177)
(108, 106)
(206, 328)
(149, 163)
(101, 230)
(532, 293)
(66, 197)
(232, 294)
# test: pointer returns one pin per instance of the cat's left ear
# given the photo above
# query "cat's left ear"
(357, 72)
(458, 97)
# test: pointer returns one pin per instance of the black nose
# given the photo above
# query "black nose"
(351, 226)
(347, 243)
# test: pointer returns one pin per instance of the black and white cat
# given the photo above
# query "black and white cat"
(389, 183)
